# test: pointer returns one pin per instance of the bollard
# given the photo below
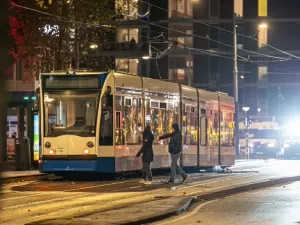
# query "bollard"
(23, 158)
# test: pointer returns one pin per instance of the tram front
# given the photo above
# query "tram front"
(69, 106)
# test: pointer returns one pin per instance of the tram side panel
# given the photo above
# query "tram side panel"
(227, 130)
(128, 124)
(162, 109)
(190, 126)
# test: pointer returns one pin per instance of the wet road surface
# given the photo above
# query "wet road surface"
(31, 201)
(272, 206)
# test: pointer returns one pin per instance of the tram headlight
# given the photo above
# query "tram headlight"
(86, 151)
(271, 145)
(90, 144)
(48, 145)
(51, 152)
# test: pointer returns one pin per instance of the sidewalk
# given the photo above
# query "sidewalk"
(8, 173)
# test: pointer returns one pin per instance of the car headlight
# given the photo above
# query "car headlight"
(271, 145)
(286, 146)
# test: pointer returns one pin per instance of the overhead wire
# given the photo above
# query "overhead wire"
(149, 38)
(216, 27)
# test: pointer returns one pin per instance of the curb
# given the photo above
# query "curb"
(6, 180)
(215, 195)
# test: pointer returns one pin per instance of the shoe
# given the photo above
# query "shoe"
(148, 182)
(170, 182)
(185, 178)
(142, 181)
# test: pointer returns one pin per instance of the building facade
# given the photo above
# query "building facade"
(268, 77)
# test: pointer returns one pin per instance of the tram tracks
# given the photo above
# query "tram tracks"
(95, 202)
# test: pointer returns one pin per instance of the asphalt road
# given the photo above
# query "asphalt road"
(26, 202)
(272, 206)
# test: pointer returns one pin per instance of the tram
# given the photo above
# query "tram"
(93, 122)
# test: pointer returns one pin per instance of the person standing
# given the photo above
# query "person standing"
(175, 148)
(148, 155)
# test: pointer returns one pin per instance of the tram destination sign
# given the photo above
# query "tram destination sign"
(71, 82)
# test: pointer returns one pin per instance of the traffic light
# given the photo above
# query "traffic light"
(247, 121)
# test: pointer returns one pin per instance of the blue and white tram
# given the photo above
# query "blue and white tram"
(92, 122)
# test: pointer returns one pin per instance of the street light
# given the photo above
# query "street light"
(146, 57)
(93, 46)
(246, 109)
(263, 25)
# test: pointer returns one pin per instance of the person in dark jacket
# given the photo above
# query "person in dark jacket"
(148, 155)
(175, 148)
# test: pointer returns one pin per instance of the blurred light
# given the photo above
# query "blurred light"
(146, 57)
(259, 109)
(263, 25)
(251, 145)
(246, 109)
(51, 152)
(93, 46)
(271, 145)
(26, 98)
(286, 146)
(242, 77)
(86, 151)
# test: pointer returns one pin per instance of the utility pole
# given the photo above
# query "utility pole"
(235, 90)
(189, 69)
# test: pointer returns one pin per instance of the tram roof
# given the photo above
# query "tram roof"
(64, 73)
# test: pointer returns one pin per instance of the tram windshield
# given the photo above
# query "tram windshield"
(70, 113)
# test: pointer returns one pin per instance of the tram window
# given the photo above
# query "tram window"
(154, 104)
(128, 102)
(163, 105)
(160, 120)
(203, 130)
(132, 118)
(190, 122)
(62, 110)
(226, 130)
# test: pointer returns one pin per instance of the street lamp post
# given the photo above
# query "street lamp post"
(246, 109)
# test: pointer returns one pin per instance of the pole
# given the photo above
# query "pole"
(235, 92)
(247, 135)
(189, 68)
(219, 133)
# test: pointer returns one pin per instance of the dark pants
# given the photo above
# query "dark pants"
(175, 167)
(147, 173)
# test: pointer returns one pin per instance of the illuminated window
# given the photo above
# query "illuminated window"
(262, 37)
(262, 72)
(160, 116)
(262, 8)
(180, 74)
(238, 7)
(126, 35)
(127, 65)
(180, 7)
(190, 122)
